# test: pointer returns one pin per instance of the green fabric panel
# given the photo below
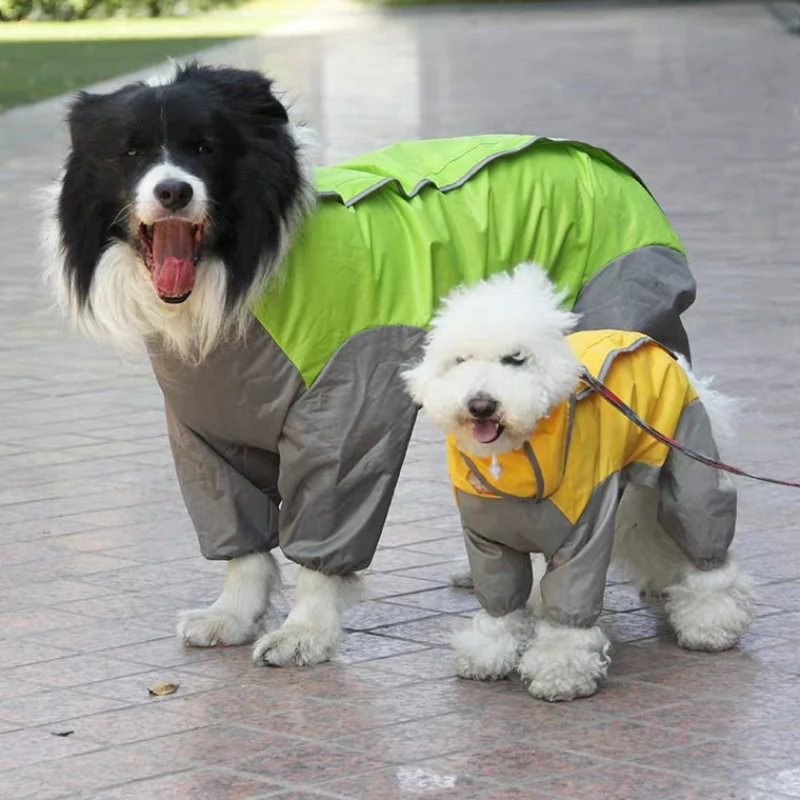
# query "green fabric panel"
(389, 257)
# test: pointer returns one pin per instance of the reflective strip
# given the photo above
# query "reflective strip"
(609, 360)
(570, 426)
(537, 470)
(484, 481)
(332, 194)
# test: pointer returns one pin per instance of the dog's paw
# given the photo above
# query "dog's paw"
(565, 663)
(712, 610)
(296, 645)
(559, 682)
(206, 627)
(471, 669)
(490, 648)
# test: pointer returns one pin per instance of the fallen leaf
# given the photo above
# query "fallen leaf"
(163, 688)
(62, 733)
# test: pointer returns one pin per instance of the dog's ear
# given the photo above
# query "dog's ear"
(89, 112)
(415, 379)
(82, 115)
(250, 92)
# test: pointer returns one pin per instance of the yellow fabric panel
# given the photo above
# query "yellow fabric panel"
(642, 374)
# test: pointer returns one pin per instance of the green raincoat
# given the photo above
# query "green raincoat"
(295, 435)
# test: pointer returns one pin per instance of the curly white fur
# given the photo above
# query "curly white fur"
(465, 348)
(490, 648)
(563, 663)
(711, 610)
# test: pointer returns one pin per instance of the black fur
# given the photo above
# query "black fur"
(248, 163)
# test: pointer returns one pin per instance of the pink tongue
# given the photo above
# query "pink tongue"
(173, 255)
(484, 430)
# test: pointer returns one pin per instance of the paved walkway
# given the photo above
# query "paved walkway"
(97, 555)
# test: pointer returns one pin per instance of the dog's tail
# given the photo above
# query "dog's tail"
(723, 411)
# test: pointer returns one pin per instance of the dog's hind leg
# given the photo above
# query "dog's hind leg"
(711, 603)
(643, 552)
(237, 615)
(312, 632)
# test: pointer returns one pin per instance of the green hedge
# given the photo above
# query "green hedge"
(83, 9)
(443, 2)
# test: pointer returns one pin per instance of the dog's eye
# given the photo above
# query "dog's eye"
(202, 149)
(460, 360)
(513, 360)
(132, 153)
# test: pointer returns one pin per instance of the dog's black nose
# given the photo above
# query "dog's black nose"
(174, 195)
(482, 406)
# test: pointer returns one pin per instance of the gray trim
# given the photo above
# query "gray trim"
(364, 193)
(573, 399)
(609, 360)
(537, 470)
(371, 190)
(484, 482)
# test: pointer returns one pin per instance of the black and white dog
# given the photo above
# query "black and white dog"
(178, 203)
(161, 179)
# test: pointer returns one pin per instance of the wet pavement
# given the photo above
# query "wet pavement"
(97, 554)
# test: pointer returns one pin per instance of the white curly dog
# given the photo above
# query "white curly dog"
(542, 465)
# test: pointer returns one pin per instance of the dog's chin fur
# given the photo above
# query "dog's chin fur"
(121, 304)
(518, 312)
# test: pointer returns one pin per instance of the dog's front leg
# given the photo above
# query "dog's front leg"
(312, 632)
(491, 647)
(237, 615)
(569, 655)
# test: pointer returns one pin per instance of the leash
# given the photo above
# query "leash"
(628, 412)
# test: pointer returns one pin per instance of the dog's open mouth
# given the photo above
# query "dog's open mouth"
(171, 249)
(487, 431)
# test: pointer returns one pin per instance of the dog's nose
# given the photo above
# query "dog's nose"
(482, 406)
(173, 194)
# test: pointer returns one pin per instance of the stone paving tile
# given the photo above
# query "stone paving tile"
(97, 553)
(194, 783)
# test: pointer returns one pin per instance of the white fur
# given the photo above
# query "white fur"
(466, 342)
(237, 616)
(312, 632)
(124, 307)
(563, 663)
(491, 647)
(148, 208)
(711, 610)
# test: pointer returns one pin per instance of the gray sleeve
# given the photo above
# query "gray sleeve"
(646, 291)
(342, 446)
(698, 502)
(220, 486)
(573, 587)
